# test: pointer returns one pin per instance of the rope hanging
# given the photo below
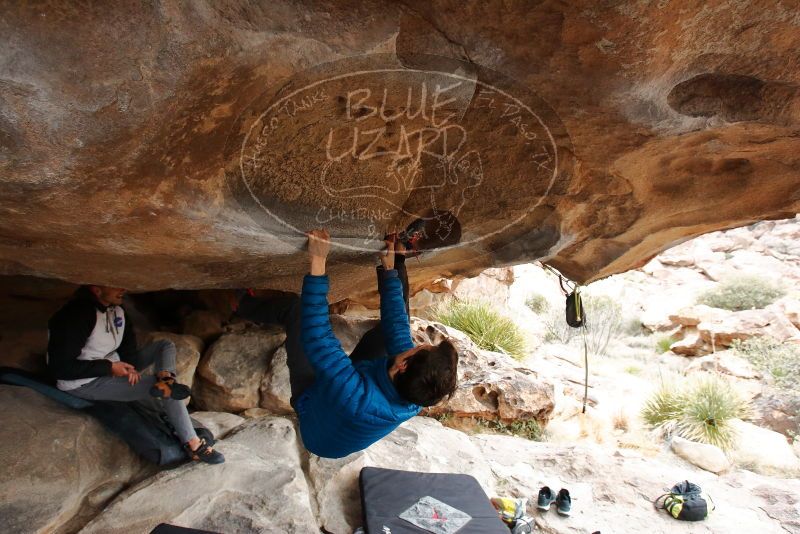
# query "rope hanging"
(575, 318)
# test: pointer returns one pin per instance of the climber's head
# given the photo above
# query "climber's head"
(426, 374)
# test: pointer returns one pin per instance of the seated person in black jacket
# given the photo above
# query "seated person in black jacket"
(92, 354)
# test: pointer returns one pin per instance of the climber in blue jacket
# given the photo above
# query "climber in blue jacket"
(344, 406)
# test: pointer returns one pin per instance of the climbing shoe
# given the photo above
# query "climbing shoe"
(546, 498)
(167, 388)
(204, 453)
(563, 502)
(437, 229)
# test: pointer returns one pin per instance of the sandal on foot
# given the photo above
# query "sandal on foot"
(204, 453)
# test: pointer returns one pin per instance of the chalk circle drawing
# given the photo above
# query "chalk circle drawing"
(372, 142)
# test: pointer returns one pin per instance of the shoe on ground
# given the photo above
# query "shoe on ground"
(545, 499)
(564, 502)
(204, 453)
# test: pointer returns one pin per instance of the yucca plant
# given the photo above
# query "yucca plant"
(665, 405)
(486, 327)
(699, 410)
(710, 405)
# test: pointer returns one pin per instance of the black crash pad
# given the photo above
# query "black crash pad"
(388, 493)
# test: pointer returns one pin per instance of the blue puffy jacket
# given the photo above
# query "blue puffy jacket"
(350, 406)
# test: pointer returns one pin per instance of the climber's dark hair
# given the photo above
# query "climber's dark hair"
(430, 375)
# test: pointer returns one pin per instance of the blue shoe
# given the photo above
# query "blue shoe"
(546, 498)
(563, 502)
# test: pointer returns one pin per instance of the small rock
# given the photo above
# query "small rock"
(703, 455)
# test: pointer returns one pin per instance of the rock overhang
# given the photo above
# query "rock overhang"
(124, 164)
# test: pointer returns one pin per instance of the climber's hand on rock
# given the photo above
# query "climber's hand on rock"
(387, 256)
(319, 244)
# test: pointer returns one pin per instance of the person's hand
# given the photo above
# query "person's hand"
(121, 369)
(134, 377)
(319, 244)
(387, 256)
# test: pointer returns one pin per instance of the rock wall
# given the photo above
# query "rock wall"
(125, 134)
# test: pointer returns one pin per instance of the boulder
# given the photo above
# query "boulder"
(189, 349)
(205, 324)
(490, 385)
(260, 488)
(24, 349)
(696, 314)
(59, 466)
(491, 286)
(275, 389)
(219, 423)
(348, 329)
(778, 411)
(725, 362)
(256, 413)
(691, 344)
(705, 330)
(763, 450)
(573, 175)
(703, 455)
(789, 307)
(230, 373)
(721, 331)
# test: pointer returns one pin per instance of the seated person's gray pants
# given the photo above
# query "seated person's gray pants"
(117, 388)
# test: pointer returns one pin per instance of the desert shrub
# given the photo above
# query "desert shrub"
(742, 293)
(537, 303)
(664, 343)
(698, 410)
(663, 406)
(779, 360)
(632, 326)
(603, 323)
(486, 327)
(621, 421)
(634, 370)
(525, 429)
